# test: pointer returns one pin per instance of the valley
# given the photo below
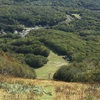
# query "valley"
(49, 49)
(54, 63)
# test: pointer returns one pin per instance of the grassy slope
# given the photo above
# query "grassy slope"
(53, 64)
(26, 89)
(12, 66)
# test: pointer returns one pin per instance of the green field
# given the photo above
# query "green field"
(50, 68)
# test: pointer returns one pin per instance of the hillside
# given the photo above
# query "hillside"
(16, 13)
(68, 28)
(26, 89)
(91, 4)
(45, 42)
(10, 66)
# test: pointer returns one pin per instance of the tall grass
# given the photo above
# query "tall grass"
(27, 89)
(78, 91)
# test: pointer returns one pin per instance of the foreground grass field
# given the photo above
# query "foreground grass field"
(28, 89)
(50, 68)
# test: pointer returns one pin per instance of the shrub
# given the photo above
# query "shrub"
(66, 73)
(35, 61)
(78, 72)
(41, 50)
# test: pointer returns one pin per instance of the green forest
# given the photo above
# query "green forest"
(69, 28)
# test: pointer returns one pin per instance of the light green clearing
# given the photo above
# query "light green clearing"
(69, 18)
(77, 16)
(47, 71)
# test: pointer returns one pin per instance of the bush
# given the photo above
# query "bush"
(66, 73)
(35, 61)
(96, 75)
(41, 50)
(78, 72)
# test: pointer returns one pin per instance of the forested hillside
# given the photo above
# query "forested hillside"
(91, 4)
(16, 13)
(69, 28)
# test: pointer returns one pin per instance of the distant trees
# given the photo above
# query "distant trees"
(72, 3)
(30, 16)
(35, 53)
(26, 46)
(69, 44)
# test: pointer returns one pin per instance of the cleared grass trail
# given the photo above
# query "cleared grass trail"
(50, 68)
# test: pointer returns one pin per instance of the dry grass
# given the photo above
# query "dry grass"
(53, 90)
(78, 91)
